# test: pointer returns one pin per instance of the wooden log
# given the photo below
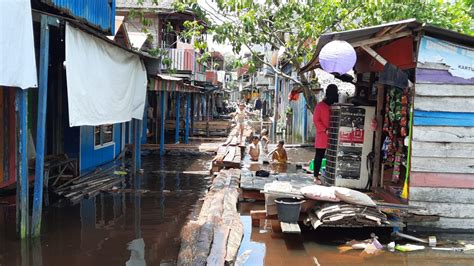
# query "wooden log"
(204, 242)
(218, 250)
(189, 236)
(235, 239)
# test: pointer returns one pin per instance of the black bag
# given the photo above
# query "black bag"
(262, 173)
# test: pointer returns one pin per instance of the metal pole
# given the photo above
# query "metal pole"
(22, 179)
(162, 129)
(188, 108)
(41, 128)
(178, 109)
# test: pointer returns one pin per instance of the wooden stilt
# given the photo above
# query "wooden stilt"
(41, 128)
(178, 109)
(22, 180)
(188, 108)
(162, 129)
(138, 127)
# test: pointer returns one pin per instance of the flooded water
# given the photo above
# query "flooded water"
(125, 228)
(263, 247)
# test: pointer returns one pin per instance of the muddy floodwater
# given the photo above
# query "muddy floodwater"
(130, 228)
(141, 226)
(260, 246)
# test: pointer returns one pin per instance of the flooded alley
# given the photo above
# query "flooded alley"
(139, 226)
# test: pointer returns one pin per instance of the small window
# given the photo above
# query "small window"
(103, 134)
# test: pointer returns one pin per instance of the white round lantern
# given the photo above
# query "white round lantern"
(337, 56)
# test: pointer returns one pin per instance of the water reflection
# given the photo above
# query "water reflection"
(137, 253)
(137, 225)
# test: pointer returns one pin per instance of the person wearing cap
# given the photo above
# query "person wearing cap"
(321, 116)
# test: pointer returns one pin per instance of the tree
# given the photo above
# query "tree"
(296, 25)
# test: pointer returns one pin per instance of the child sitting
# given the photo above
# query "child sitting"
(254, 149)
(279, 154)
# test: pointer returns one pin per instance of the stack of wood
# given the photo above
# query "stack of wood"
(91, 184)
(214, 237)
(346, 215)
(230, 153)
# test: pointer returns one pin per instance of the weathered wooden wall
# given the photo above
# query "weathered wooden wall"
(442, 163)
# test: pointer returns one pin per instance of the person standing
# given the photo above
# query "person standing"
(321, 116)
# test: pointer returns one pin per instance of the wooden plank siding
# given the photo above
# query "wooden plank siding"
(444, 104)
(442, 152)
(443, 134)
(441, 180)
(440, 195)
(441, 90)
(438, 76)
(447, 209)
(455, 119)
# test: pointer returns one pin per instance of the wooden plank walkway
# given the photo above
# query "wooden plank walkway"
(203, 147)
(230, 153)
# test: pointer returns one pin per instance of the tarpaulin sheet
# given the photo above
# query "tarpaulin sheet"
(105, 84)
(17, 48)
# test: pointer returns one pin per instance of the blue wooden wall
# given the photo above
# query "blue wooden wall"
(91, 156)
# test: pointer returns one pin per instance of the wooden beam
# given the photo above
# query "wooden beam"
(387, 37)
(382, 32)
(41, 128)
(22, 180)
(374, 54)
(397, 29)
(163, 117)
(378, 135)
(178, 109)
(187, 118)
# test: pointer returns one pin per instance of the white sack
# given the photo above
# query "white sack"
(317, 192)
(354, 197)
(17, 48)
(105, 84)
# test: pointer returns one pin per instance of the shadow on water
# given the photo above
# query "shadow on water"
(139, 225)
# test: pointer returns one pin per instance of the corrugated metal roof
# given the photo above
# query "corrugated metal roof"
(356, 35)
(362, 33)
(99, 14)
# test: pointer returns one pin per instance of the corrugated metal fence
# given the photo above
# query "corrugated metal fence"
(97, 13)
